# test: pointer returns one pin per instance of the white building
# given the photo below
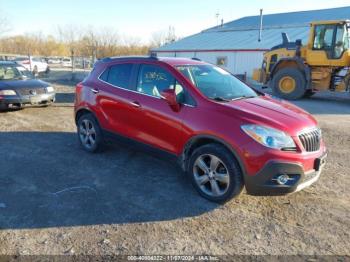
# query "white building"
(235, 45)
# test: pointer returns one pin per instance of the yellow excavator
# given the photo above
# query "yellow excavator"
(294, 70)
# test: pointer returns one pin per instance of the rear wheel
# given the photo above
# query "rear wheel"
(289, 83)
(215, 173)
(89, 133)
(348, 85)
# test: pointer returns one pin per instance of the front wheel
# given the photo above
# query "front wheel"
(215, 173)
(89, 133)
(289, 83)
(4, 107)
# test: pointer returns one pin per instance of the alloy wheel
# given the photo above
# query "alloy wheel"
(211, 175)
(87, 133)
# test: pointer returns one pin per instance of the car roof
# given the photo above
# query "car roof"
(174, 61)
(181, 61)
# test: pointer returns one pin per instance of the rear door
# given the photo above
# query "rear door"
(112, 97)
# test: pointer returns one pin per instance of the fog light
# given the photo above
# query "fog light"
(282, 179)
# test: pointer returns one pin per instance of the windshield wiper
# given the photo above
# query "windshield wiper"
(219, 99)
(242, 97)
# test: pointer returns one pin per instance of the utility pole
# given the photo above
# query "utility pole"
(72, 58)
(261, 25)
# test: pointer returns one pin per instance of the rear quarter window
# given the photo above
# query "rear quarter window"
(118, 75)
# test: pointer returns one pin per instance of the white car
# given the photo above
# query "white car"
(35, 65)
(54, 60)
(66, 62)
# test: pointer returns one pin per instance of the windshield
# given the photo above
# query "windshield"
(20, 59)
(216, 83)
(25, 72)
(9, 72)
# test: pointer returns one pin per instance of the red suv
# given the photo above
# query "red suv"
(224, 134)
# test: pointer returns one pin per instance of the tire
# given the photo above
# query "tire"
(227, 175)
(348, 85)
(91, 140)
(4, 107)
(294, 81)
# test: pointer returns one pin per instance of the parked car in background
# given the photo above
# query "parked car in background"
(223, 133)
(35, 65)
(66, 62)
(54, 60)
(18, 87)
(82, 62)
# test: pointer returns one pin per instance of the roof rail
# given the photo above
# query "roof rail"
(196, 59)
(153, 55)
(117, 58)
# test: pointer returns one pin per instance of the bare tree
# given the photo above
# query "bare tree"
(4, 24)
(70, 35)
(158, 39)
(87, 42)
(163, 37)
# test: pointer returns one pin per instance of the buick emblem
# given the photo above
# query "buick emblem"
(32, 92)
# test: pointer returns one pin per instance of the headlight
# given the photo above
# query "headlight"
(269, 137)
(50, 89)
(7, 93)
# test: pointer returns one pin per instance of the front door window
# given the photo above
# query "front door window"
(154, 79)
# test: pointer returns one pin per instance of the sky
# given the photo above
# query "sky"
(139, 19)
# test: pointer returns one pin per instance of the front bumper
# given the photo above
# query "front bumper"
(16, 100)
(265, 182)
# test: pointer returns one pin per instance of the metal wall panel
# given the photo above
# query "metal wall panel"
(237, 62)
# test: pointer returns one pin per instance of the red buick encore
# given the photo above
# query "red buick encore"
(224, 134)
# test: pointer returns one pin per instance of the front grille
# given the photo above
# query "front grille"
(311, 140)
(31, 91)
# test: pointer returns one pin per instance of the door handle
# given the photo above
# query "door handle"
(94, 90)
(135, 104)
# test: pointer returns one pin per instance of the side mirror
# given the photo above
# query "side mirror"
(169, 95)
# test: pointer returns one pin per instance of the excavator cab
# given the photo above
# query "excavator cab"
(329, 43)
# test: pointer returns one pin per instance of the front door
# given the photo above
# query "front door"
(153, 121)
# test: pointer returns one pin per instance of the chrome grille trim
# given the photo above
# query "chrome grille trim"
(311, 139)
(27, 91)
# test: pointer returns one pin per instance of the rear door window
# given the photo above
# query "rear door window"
(118, 75)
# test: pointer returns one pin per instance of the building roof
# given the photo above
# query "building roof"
(242, 34)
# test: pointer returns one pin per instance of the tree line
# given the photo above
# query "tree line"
(87, 42)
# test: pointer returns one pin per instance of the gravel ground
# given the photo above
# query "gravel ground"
(57, 199)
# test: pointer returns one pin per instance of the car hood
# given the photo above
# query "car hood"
(276, 113)
(17, 84)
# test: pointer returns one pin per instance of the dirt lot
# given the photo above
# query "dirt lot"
(57, 199)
